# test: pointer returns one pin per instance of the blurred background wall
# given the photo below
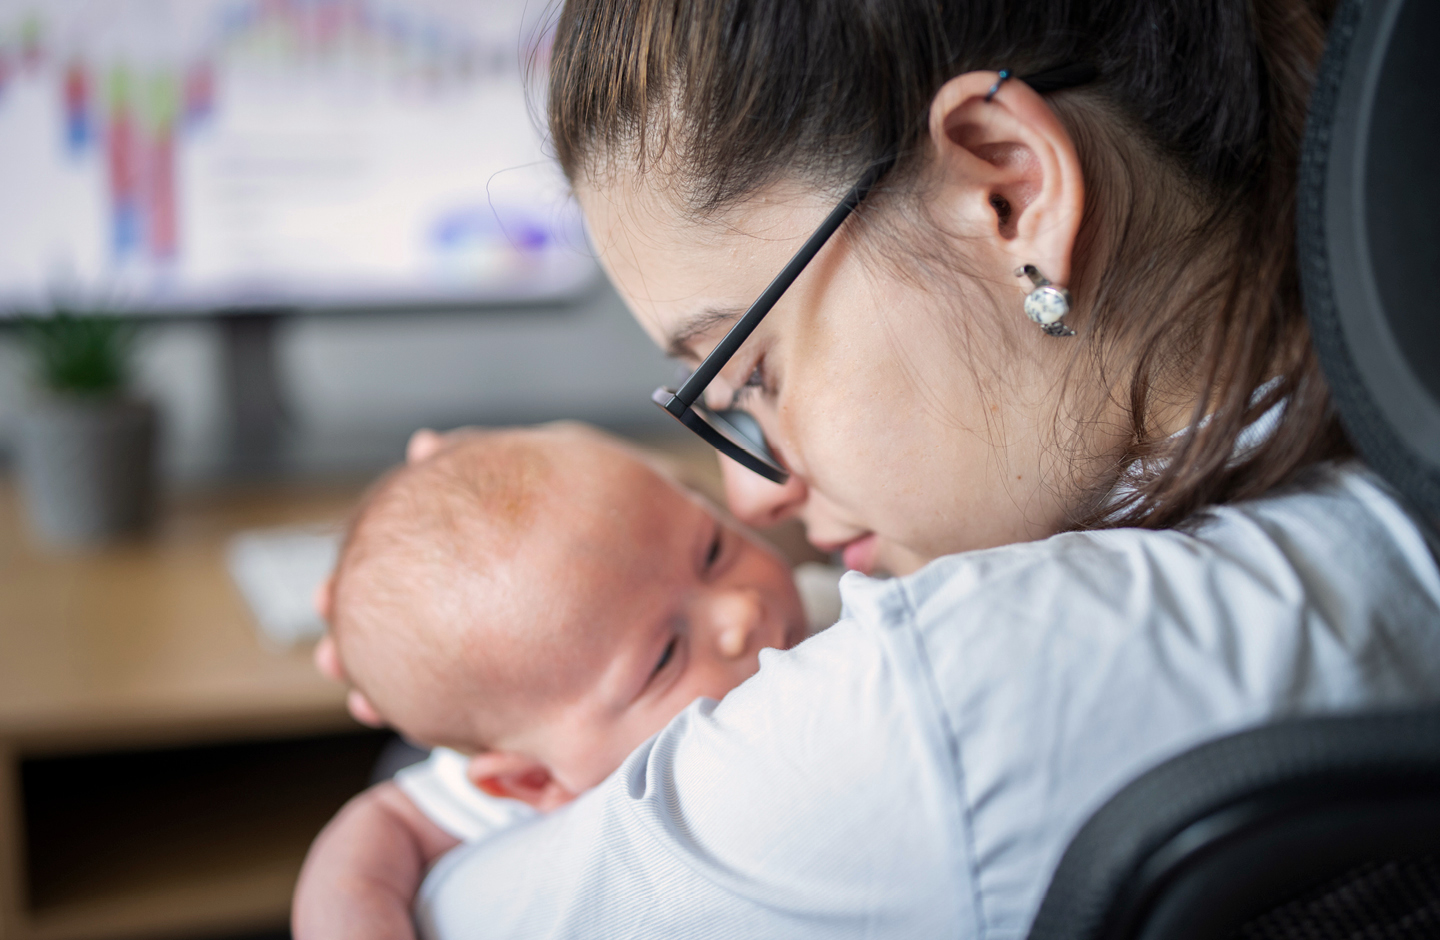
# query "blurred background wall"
(351, 165)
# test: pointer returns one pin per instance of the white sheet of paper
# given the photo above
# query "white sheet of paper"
(277, 570)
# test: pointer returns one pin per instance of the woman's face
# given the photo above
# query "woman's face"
(916, 419)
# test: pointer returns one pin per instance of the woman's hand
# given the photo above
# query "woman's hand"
(327, 660)
(424, 443)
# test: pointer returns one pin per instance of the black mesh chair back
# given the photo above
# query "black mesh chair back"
(1327, 827)
(1311, 829)
(1369, 236)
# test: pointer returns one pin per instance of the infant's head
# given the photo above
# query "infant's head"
(546, 600)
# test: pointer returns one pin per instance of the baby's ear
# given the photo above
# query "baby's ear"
(517, 777)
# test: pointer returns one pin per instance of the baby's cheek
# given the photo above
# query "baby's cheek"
(724, 679)
(732, 642)
(636, 731)
(583, 767)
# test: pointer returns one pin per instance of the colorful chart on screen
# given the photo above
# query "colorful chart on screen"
(200, 155)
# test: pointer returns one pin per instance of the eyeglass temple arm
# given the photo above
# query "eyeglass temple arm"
(1069, 75)
(695, 385)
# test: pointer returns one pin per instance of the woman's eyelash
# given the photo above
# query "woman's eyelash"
(666, 656)
(754, 383)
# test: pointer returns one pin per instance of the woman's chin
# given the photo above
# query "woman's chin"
(896, 561)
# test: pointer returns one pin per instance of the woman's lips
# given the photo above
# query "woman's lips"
(859, 555)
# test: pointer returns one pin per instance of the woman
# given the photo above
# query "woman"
(1124, 530)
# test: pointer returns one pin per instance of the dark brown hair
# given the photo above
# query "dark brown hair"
(1186, 272)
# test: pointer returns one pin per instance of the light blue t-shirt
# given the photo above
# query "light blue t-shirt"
(917, 770)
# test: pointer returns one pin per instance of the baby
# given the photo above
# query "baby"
(541, 602)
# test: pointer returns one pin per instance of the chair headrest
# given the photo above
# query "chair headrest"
(1369, 235)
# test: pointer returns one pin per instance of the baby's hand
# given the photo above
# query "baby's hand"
(364, 869)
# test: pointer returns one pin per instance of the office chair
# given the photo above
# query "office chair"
(1316, 828)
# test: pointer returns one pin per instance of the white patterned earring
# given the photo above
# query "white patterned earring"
(1047, 304)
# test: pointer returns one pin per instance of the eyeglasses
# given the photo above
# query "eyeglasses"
(735, 433)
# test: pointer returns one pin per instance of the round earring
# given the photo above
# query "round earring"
(1047, 304)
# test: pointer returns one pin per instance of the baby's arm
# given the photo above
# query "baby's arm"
(363, 870)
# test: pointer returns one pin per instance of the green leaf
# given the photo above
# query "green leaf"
(81, 354)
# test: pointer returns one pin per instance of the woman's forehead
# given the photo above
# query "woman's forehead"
(685, 278)
(650, 218)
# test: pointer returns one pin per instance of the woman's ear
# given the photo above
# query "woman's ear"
(1008, 172)
(362, 711)
(517, 777)
(327, 661)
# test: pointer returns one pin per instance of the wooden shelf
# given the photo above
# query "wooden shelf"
(179, 839)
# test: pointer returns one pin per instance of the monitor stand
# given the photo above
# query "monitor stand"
(253, 396)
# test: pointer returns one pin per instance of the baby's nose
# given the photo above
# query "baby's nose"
(735, 616)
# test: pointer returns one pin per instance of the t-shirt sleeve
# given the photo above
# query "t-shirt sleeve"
(439, 788)
(817, 800)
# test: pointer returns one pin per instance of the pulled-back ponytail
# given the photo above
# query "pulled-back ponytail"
(1254, 353)
(1198, 101)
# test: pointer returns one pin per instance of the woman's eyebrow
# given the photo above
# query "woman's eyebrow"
(678, 345)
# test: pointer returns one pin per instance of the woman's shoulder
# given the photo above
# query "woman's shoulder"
(1065, 667)
(1126, 645)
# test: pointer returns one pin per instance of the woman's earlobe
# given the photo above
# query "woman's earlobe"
(323, 600)
(362, 711)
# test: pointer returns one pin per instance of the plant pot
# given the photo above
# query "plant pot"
(87, 467)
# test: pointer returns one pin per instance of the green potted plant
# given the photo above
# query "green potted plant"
(87, 446)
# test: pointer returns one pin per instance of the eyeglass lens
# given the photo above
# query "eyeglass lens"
(733, 432)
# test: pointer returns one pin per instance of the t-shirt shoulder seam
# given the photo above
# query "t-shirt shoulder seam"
(967, 820)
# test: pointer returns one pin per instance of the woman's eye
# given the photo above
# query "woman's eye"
(755, 382)
(666, 656)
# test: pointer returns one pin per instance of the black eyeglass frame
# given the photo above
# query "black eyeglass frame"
(714, 427)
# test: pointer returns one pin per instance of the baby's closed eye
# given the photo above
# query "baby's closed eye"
(666, 656)
(717, 544)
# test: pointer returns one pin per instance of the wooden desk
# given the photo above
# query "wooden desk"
(161, 773)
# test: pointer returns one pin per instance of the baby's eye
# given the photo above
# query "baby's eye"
(716, 544)
(666, 656)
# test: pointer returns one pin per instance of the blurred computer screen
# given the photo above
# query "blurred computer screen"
(202, 155)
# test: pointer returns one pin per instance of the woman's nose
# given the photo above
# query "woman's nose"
(755, 500)
(732, 618)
